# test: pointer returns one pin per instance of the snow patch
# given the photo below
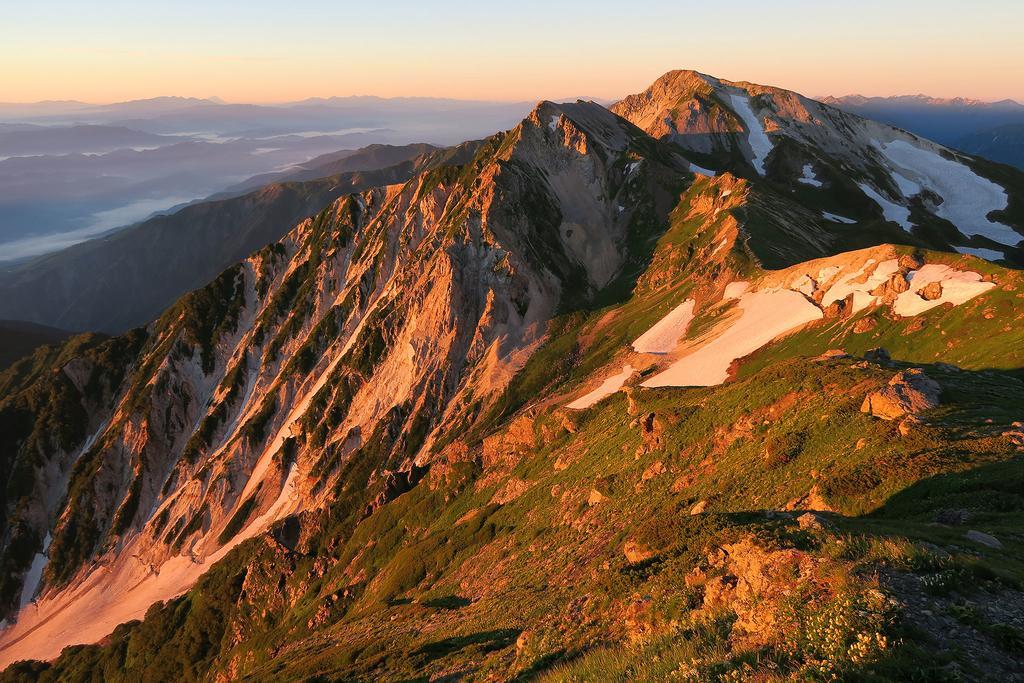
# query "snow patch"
(808, 177)
(553, 122)
(862, 297)
(891, 210)
(908, 188)
(756, 136)
(694, 168)
(608, 387)
(765, 315)
(958, 286)
(828, 272)
(35, 573)
(967, 198)
(837, 219)
(804, 284)
(981, 252)
(664, 336)
(734, 290)
(112, 595)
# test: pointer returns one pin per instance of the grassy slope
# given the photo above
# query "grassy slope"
(448, 580)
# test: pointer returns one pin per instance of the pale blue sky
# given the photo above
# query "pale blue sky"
(282, 50)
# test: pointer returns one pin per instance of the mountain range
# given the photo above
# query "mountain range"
(987, 129)
(719, 382)
(70, 172)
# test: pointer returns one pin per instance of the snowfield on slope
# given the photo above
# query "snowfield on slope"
(115, 594)
(756, 136)
(981, 252)
(968, 198)
(35, 573)
(694, 168)
(958, 286)
(769, 313)
(808, 177)
(735, 289)
(837, 219)
(892, 211)
(608, 387)
(861, 290)
(764, 316)
(666, 333)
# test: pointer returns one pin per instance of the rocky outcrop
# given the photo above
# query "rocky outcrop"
(909, 392)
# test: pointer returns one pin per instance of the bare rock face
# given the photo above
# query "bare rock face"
(507, 447)
(753, 582)
(864, 325)
(893, 287)
(908, 393)
(650, 430)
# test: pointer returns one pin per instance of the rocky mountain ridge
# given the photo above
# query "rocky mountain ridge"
(390, 401)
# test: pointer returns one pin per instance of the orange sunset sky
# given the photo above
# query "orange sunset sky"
(264, 51)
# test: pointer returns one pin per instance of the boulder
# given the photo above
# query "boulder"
(1015, 434)
(699, 508)
(931, 291)
(523, 641)
(812, 522)
(952, 517)
(864, 325)
(893, 287)
(984, 539)
(908, 393)
(656, 468)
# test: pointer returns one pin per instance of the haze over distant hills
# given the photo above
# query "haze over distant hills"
(988, 129)
(122, 280)
(70, 171)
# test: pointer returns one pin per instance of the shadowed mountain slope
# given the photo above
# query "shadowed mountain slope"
(126, 279)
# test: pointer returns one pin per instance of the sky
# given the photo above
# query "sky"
(274, 50)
